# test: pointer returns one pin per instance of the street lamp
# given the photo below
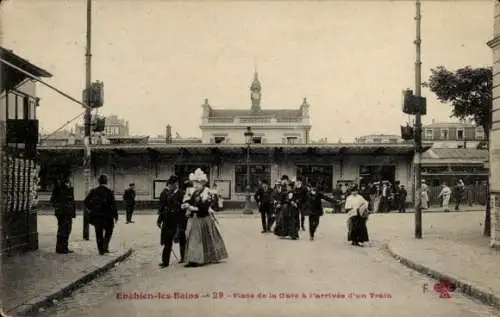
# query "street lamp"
(247, 209)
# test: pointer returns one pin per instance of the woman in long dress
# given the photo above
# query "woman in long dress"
(357, 211)
(286, 208)
(445, 194)
(204, 241)
(376, 198)
(424, 194)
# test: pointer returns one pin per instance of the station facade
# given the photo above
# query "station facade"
(148, 166)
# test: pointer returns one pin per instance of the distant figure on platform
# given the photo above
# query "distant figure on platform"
(424, 194)
(129, 200)
(204, 243)
(339, 197)
(264, 198)
(445, 194)
(469, 193)
(172, 220)
(313, 208)
(459, 192)
(395, 199)
(103, 213)
(63, 201)
(377, 194)
(300, 193)
(402, 194)
(357, 211)
(215, 197)
(385, 197)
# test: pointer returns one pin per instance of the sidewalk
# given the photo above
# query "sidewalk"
(463, 259)
(440, 209)
(36, 279)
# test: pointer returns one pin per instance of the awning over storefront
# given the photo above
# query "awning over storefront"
(11, 77)
(435, 157)
(311, 149)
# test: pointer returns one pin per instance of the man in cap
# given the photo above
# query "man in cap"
(172, 220)
(63, 200)
(129, 200)
(300, 193)
(264, 198)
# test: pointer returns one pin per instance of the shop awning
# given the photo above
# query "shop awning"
(311, 149)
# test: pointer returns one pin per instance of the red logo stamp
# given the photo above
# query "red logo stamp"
(444, 288)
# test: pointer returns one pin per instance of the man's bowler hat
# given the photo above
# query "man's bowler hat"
(173, 179)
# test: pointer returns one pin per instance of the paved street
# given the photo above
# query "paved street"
(265, 264)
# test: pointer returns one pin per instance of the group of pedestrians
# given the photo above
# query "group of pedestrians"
(285, 207)
(103, 213)
(446, 193)
(383, 196)
(185, 217)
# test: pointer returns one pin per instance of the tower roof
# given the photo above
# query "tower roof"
(256, 83)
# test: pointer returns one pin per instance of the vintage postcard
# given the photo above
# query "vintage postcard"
(249, 158)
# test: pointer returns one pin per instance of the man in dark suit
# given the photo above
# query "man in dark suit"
(339, 197)
(264, 197)
(63, 201)
(172, 220)
(300, 192)
(101, 204)
(129, 201)
(402, 194)
(314, 208)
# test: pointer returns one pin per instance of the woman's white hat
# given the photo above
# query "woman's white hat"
(198, 176)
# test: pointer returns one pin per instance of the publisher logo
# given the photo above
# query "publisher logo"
(443, 288)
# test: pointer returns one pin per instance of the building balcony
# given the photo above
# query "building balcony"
(232, 121)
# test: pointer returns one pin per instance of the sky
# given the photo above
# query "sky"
(159, 60)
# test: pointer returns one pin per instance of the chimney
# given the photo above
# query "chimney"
(168, 134)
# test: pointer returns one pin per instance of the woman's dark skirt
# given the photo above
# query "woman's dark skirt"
(286, 223)
(204, 242)
(358, 232)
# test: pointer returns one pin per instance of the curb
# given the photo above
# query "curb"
(464, 287)
(32, 307)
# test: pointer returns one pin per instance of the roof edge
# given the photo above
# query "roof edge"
(40, 72)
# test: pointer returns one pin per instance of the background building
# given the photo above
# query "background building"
(455, 155)
(380, 138)
(278, 126)
(454, 135)
(60, 138)
(169, 138)
(116, 131)
(115, 127)
(448, 165)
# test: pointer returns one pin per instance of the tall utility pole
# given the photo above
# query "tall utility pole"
(88, 116)
(418, 129)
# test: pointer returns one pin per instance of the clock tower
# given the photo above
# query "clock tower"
(255, 93)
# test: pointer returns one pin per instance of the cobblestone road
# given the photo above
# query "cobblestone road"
(265, 264)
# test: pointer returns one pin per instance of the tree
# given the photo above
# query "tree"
(469, 91)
